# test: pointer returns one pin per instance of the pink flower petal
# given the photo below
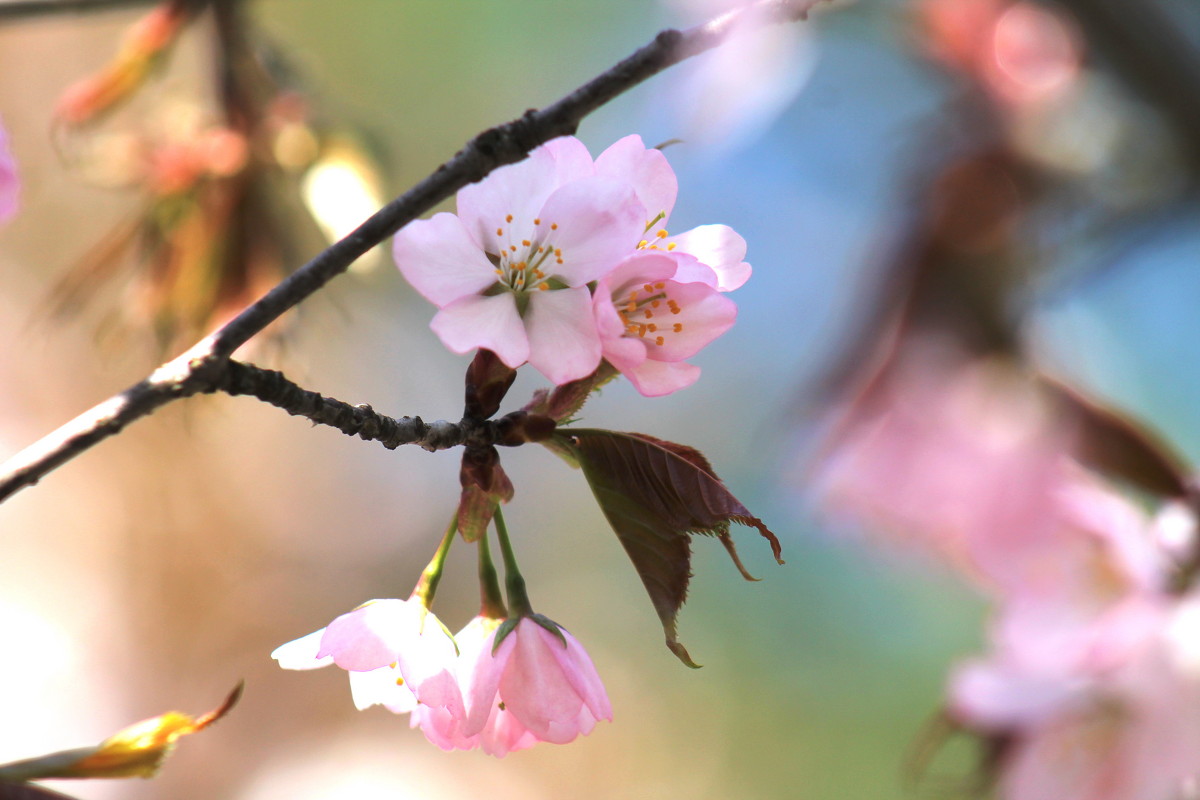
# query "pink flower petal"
(721, 248)
(481, 671)
(535, 688)
(572, 160)
(370, 636)
(647, 170)
(643, 266)
(658, 378)
(597, 221)
(440, 260)
(704, 314)
(581, 673)
(487, 322)
(563, 342)
(302, 653)
(621, 351)
(517, 190)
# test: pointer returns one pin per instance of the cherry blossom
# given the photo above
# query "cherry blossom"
(509, 272)
(717, 249)
(537, 685)
(649, 321)
(9, 185)
(396, 651)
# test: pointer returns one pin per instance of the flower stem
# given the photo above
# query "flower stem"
(514, 582)
(491, 602)
(427, 585)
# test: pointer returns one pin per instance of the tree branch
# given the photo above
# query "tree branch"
(15, 10)
(206, 363)
(362, 420)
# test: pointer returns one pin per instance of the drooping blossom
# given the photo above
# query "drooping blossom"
(537, 685)
(717, 249)
(9, 185)
(649, 321)
(396, 652)
(509, 272)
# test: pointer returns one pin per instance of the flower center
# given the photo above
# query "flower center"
(647, 312)
(655, 242)
(524, 264)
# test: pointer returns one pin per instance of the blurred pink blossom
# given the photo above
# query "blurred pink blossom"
(736, 91)
(9, 185)
(1117, 718)
(945, 453)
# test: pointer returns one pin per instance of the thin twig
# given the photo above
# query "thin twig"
(205, 363)
(16, 10)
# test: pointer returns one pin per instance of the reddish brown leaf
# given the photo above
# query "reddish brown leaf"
(655, 494)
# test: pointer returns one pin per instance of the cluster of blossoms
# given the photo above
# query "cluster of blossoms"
(463, 691)
(562, 261)
(1092, 685)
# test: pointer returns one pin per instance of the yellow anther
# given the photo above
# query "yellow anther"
(559, 260)
(498, 271)
(653, 247)
(543, 286)
(648, 287)
(553, 226)
(649, 314)
(661, 234)
(558, 252)
(652, 327)
(512, 247)
(659, 285)
(672, 245)
(537, 220)
(499, 231)
(631, 307)
(659, 341)
(541, 249)
(399, 681)
(641, 330)
(525, 243)
(642, 244)
(678, 326)
(508, 218)
(655, 303)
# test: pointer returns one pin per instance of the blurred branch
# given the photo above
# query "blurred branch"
(1149, 52)
(16, 10)
(207, 363)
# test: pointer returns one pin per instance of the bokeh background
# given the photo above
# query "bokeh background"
(163, 566)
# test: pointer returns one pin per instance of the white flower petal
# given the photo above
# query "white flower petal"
(439, 259)
(563, 342)
(302, 653)
(488, 322)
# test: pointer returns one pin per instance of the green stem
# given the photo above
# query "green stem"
(514, 583)
(427, 585)
(491, 602)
